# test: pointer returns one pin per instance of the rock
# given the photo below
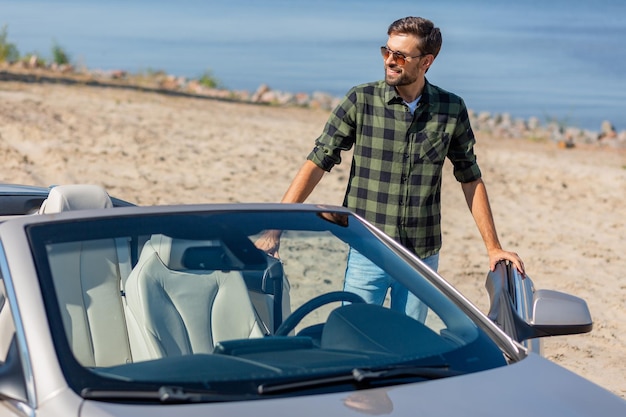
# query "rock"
(33, 62)
(169, 83)
(607, 131)
(118, 74)
(257, 97)
(533, 123)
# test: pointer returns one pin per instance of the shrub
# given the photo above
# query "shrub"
(59, 56)
(8, 51)
(208, 80)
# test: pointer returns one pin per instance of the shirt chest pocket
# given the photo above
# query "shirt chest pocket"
(431, 146)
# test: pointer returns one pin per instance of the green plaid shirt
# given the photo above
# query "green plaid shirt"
(395, 179)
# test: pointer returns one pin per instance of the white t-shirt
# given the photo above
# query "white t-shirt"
(413, 105)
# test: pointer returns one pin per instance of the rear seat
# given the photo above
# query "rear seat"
(87, 279)
(75, 197)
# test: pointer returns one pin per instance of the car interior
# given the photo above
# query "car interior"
(158, 309)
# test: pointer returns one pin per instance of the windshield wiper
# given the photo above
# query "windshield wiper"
(166, 394)
(361, 377)
(364, 375)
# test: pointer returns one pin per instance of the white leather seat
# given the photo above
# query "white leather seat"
(175, 311)
(75, 197)
(87, 282)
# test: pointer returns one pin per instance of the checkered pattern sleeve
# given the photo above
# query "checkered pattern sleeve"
(338, 134)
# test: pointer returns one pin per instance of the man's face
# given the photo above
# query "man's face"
(413, 68)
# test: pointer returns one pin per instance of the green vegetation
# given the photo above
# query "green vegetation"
(208, 80)
(8, 51)
(59, 56)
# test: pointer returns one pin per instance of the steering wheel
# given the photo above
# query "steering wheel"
(296, 317)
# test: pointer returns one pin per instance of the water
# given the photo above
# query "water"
(558, 60)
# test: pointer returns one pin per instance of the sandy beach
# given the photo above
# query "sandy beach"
(562, 210)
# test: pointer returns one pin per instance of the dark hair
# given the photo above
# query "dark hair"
(429, 36)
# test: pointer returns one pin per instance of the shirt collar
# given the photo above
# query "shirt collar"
(392, 97)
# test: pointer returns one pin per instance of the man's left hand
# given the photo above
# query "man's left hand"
(498, 255)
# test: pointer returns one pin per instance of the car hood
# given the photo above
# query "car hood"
(533, 386)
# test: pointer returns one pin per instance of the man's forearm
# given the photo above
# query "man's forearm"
(303, 183)
(478, 204)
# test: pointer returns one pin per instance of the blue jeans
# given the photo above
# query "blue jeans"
(366, 279)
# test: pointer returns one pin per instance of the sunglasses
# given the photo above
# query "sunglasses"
(399, 57)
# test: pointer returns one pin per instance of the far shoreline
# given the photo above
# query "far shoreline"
(501, 125)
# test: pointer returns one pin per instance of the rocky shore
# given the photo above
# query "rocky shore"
(499, 125)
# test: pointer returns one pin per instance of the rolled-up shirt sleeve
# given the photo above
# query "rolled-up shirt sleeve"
(461, 151)
(338, 134)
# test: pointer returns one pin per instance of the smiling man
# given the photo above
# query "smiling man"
(401, 129)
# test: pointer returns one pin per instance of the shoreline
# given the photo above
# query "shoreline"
(498, 124)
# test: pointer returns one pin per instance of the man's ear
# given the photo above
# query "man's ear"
(427, 62)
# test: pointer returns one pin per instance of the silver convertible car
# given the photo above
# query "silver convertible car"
(174, 310)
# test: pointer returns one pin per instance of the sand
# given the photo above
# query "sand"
(562, 210)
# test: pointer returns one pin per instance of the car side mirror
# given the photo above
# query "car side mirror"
(556, 313)
(524, 313)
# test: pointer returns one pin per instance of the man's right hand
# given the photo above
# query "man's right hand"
(269, 242)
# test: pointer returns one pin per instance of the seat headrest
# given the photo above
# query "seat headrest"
(75, 197)
(184, 254)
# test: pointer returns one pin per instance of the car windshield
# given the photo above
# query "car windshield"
(189, 299)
